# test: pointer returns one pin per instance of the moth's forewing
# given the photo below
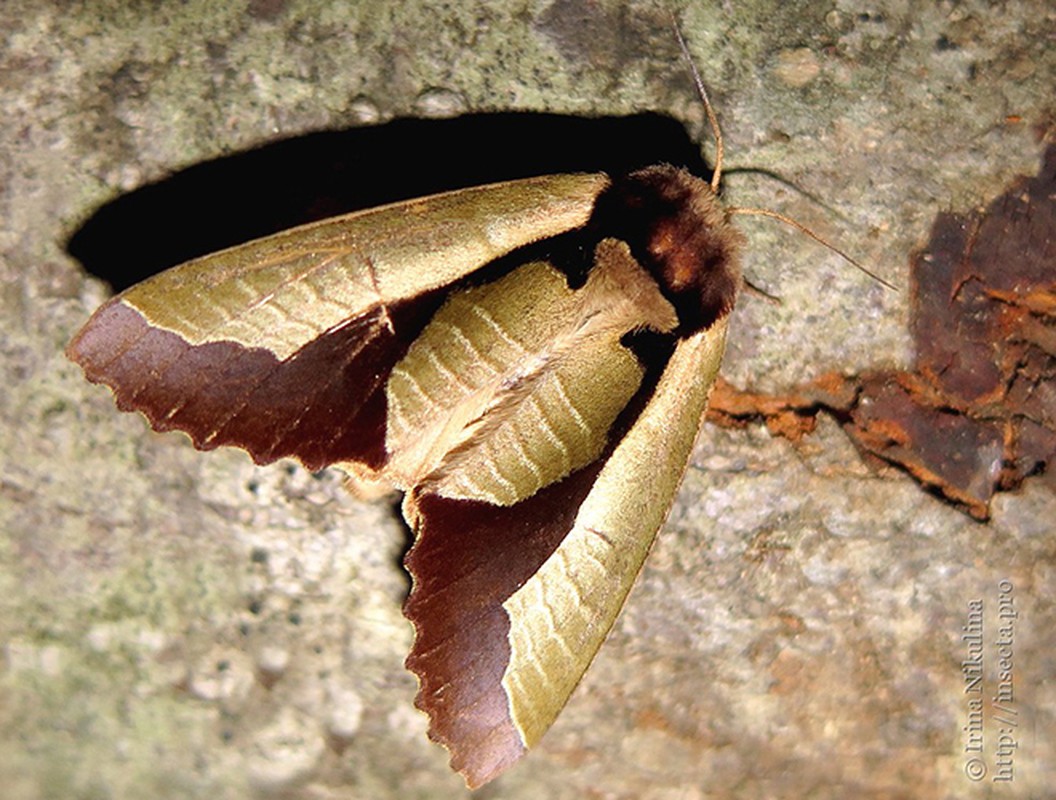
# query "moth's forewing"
(282, 346)
(510, 604)
(515, 384)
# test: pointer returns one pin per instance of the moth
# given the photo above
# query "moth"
(528, 361)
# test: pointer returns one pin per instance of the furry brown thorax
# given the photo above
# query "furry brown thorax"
(678, 230)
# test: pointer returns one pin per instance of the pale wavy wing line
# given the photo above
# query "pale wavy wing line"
(523, 453)
(425, 404)
(602, 555)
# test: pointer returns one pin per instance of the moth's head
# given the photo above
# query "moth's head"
(678, 230)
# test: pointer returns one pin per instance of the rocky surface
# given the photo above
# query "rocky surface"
(179, 624)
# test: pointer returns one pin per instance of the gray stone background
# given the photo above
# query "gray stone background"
(178, 624)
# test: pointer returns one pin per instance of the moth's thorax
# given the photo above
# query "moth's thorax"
(678, 230)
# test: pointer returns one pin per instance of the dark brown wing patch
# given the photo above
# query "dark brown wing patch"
(324, 404)
(467, 559)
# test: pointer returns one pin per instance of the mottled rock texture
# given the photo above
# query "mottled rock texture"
(178, 624)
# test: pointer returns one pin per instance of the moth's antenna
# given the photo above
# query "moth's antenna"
(795, 187)
(765, 212)
(716, 174)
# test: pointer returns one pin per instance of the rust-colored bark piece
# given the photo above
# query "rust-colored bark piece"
(977, 414)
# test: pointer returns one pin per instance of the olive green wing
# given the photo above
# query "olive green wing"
(511, 603)
(282, 346)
